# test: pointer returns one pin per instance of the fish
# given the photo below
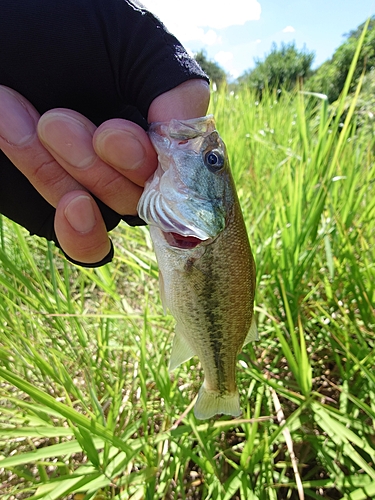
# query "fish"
(206, 266)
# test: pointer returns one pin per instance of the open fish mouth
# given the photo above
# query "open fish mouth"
(183, 242)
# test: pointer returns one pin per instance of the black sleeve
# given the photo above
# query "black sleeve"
(103, 58)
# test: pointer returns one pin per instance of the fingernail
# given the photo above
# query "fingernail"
(16, 124)
(120, 148)
(80, 214)
(68, 138)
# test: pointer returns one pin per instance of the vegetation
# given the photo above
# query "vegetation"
(215, 72)
(87, 407)
(331, 76)
(283, 67)
(287, 66)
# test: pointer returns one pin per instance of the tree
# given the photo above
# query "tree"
(331, 75)
(282, 67)
(212, 69)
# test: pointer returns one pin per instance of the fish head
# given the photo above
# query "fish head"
(191, 191)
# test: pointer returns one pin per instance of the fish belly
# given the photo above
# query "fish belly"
(210, 292)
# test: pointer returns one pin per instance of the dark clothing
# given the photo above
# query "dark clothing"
(103, 58)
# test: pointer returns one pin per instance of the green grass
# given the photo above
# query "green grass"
(88, 409)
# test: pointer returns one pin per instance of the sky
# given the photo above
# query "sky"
(234, 32)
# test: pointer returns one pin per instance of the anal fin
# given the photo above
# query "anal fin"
(252, 333)
(181, 351)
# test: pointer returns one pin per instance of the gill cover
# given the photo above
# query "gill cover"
(187, 193)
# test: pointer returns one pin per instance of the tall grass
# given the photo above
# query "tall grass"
(87, 407)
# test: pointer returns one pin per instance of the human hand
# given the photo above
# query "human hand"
(65, 157)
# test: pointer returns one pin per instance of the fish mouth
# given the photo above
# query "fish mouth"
(183, 242)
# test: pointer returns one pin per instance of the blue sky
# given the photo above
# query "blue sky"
(234, 32)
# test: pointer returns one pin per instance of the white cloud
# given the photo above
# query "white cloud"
(186, 19)
(289, 29)
(226, 60)
(224, 57)
(210, 37)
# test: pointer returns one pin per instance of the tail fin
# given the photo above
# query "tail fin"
(210, 403)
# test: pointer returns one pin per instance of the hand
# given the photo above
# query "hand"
(65, 157)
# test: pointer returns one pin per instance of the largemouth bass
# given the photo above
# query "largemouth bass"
(206, 268)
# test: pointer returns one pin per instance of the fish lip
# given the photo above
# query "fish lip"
(183, 242)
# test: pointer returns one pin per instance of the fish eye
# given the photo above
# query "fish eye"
(214, 160)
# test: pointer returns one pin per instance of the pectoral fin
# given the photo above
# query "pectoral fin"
(162, 292)
(181, 351)
(252, 333)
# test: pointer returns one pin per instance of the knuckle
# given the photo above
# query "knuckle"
(47, 171)
(107, 186)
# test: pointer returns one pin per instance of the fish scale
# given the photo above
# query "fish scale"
(209, 283)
